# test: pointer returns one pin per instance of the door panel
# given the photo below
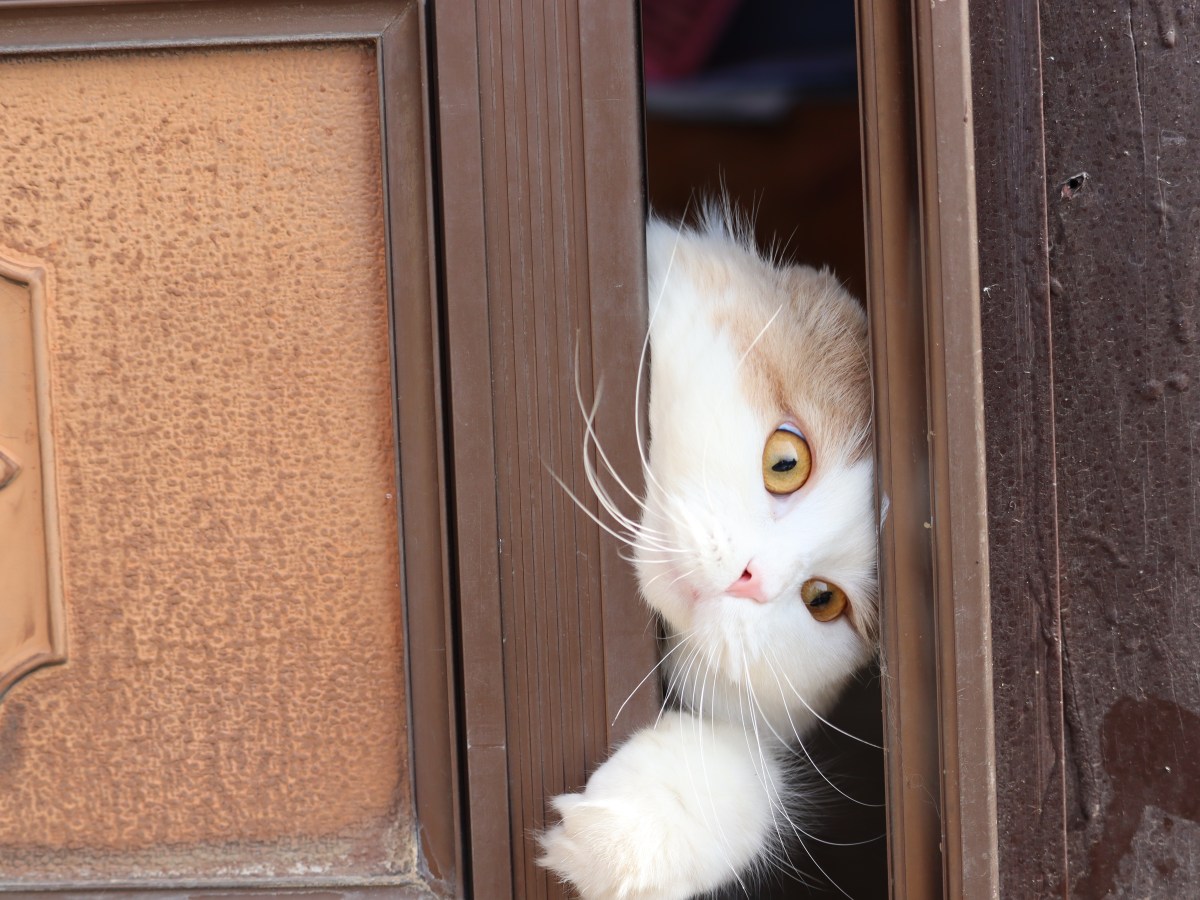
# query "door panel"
(213, 228)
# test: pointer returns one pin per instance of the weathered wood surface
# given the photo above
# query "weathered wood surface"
(1089, 198)
(1014, 279)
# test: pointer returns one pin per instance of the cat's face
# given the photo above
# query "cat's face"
(761, 569)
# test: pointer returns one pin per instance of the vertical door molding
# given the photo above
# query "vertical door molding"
(542, 209)
(32, 631)
(924, 306)
(954, 378)
(891, 202)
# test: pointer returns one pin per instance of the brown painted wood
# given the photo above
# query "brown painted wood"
(1019, 404)
(542, 214)
(1120, 84)
(922, 284)
(958, 492)
(1089, 192)
(894, 276)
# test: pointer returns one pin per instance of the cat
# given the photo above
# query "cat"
(756, 548)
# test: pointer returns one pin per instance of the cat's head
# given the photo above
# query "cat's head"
(757, 543)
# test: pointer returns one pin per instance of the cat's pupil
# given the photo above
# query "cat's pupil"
(821, 599)
(784, 465)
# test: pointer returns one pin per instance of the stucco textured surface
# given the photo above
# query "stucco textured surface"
(233, 703)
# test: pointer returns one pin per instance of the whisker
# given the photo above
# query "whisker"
(749, 693)
(758, 337)
(683, 576)
(676, 678)
(781, 806)
(656, 667)
(592, 438)
(634, 540)
(623, 538)
(699, 716)
(800, 742)
(817, 715)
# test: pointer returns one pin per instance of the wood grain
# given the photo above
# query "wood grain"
(543, 266)
(1087, 172)
(1019, 408)
(1119, 87)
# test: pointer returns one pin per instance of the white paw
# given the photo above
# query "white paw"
(678, 810)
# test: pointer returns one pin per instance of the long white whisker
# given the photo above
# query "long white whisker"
(777, 803)
(782, 808)
(758, 337)
(800, 742)
(656, 667)
(591, 437)
(646, 557)
(817, 715)
(635, 529)
(658, 576)
(699, 717)
(623, 538)
(678, 678)
(681, 577)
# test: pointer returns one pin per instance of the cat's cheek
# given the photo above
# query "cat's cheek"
(668, 595)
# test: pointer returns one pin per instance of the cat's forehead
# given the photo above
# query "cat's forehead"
(797, 338)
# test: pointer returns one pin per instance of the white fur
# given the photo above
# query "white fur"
(694, 802)
(679, 808)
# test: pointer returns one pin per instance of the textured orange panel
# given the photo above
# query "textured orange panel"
(222, 404)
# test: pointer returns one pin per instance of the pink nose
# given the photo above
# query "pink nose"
(749, 585)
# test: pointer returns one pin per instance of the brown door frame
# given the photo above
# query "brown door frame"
(923, 296)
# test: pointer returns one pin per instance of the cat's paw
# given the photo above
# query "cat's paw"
(678, 810)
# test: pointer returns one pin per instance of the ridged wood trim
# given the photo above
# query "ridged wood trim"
(891, 202)
(540, 154)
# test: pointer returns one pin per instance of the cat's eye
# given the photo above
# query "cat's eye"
(824, 600)
(786, 462)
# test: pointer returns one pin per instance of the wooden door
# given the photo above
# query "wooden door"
(294, 300)
(219, 334)
(1087, 182)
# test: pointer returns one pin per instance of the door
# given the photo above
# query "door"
(223, 499)
(294, 300)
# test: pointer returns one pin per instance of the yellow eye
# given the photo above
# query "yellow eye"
(824, 600)
(786, 462)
